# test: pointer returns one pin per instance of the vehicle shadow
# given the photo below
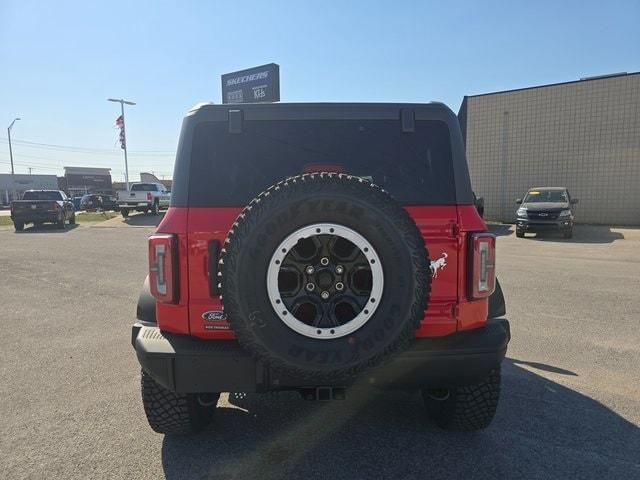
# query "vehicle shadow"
(582, 234)
(500, 229)
(542, 430)
(47, 228)
(143, 219)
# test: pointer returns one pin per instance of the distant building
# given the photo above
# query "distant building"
(81, 180)
(583, 135)
(13, 186)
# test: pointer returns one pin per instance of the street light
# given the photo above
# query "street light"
(9, 137)
(13, 186)
(124, 144)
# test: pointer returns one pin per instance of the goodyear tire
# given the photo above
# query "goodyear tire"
(466, 409)
(174, 413)
(324, 275)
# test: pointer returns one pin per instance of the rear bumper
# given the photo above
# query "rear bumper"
(36, 217)
(188, 365)
(134, 204)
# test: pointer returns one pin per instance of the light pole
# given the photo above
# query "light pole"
(9, 137)
(124, 134)
(13, 190)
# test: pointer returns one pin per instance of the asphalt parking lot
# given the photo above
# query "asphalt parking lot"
(69, 382)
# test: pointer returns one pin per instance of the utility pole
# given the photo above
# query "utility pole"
(124, 136)
(9, 137)
(13, 190)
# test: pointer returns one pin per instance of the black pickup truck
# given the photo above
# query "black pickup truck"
(40, 206)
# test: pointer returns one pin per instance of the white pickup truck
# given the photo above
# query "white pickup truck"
(143, 197)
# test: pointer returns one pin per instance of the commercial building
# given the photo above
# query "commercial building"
(583, 134)
(13, 186)
(81, 180)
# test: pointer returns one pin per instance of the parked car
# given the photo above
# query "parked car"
(546, 209)
(363, 260)
(76, 202)
(143, 197)
(40, 206)
(93, 202)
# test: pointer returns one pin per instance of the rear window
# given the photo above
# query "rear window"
(231, 169)
(144, 187)
(42, 196)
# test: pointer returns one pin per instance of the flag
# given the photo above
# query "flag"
(120, 125)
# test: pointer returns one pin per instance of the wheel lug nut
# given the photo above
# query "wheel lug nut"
(310, 270)
(310, 287)
(324, 261)
(339, 269)
(324, 295)
(339, 286)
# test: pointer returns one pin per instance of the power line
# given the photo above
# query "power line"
(60, 167)
(85, 150)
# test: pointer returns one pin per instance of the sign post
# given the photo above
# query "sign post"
(254, 85)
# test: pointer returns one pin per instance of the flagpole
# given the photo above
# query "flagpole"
(124, 137)
(124, 143)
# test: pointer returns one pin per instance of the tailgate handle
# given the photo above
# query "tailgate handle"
(214, 251)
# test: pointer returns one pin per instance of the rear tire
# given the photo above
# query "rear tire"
(464, 409)
(519, 233)
(60, 223)
(155, 209)
(568, 233)
(124, 212)
(19, 226)
(72, 219)
(175, 413)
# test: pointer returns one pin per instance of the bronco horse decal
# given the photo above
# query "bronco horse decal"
(438, 264)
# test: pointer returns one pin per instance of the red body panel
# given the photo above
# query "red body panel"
(444, 228)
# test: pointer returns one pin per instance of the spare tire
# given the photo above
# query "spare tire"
(324, 275)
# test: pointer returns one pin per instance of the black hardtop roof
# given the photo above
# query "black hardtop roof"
(322, 111)
(208, 105)
(406, 114)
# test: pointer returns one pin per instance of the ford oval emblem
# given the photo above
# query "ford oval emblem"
(214, 315)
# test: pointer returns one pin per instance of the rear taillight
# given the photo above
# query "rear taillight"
(163, 273)
(149, 196)
(483, 265)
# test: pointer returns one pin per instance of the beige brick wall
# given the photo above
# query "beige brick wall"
(583, 135)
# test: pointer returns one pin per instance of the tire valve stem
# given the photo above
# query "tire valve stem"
(339, 286)
(324, 295)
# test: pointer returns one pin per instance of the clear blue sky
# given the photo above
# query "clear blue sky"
(59, 61)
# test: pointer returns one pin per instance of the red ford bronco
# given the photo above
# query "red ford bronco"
(313, 247)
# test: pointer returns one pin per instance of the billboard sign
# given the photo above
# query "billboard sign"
(254, 85)
(88, 182)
